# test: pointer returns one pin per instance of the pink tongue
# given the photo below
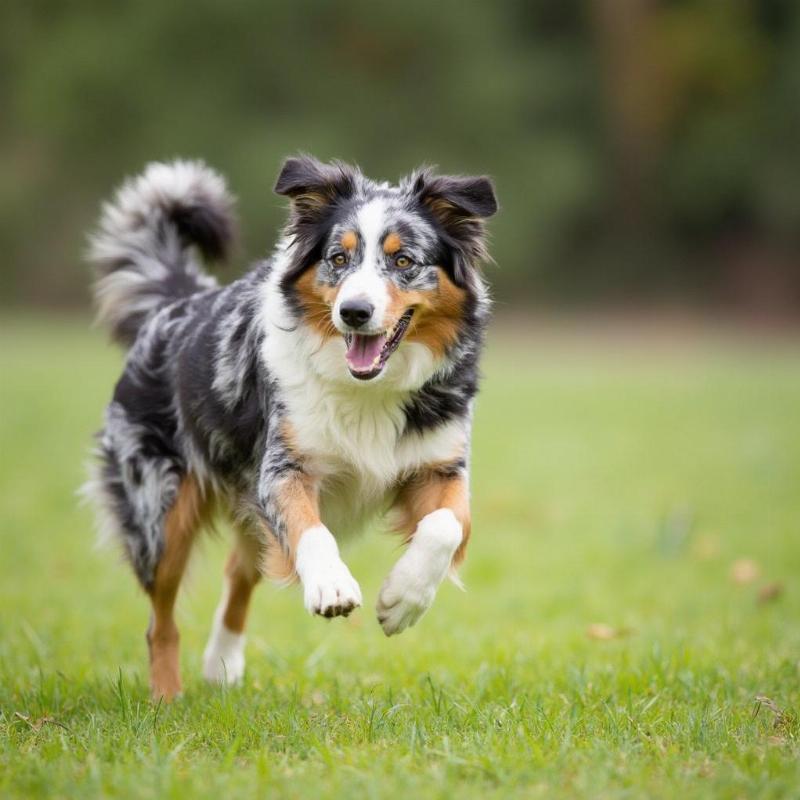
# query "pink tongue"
(364, 351)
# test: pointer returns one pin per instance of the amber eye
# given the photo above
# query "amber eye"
(402, 262)
(339, 260)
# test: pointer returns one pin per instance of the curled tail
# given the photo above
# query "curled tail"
(143, 249)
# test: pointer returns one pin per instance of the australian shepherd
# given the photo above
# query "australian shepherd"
(332, 384)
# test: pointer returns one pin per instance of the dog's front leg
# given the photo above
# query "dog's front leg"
(291, 510)
(435, 512)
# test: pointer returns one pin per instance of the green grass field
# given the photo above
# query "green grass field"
(612, 485)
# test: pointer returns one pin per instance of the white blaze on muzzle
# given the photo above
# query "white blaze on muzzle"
(372, 339)
(367, 282)
(367, 285)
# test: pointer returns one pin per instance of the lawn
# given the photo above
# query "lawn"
(611, 642)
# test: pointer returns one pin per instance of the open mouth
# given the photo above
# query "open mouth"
(367, 354)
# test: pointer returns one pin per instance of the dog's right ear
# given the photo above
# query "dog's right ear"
(313, 187)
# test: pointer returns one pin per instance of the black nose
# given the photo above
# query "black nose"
(356, 312)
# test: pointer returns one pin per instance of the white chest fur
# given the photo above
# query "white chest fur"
(359, 450)
(352, 434)
(353, 439)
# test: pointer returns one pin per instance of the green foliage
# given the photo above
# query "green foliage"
(616, 489)
(91, 91)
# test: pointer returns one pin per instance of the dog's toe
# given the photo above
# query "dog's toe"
(332, 592)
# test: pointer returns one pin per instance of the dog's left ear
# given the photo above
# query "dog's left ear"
(314, 187)
(459, 204)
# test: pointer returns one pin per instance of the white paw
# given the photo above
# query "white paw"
(402, 600)
(223, 658)
(409, 590)
(328, 587)
(330, 590)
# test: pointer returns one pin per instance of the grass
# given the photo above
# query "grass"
(612, 486)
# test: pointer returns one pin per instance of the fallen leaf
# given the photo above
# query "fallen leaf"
(745, 570)
(767, 702)
(783, 719)
(603, 632)
(37, 724)
(770, 592)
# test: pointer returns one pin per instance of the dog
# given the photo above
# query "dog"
(333, 383)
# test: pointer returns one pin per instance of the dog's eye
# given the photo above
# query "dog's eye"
(402, 262)
(339, 260)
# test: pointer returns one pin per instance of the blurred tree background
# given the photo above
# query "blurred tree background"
(643, 150)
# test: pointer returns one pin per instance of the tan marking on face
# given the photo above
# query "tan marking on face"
(424, 494)
(399, 302)
(349, 240)
(437, 313)
(317, 302)
(392, 243)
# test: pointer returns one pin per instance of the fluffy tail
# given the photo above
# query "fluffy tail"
(143, 250)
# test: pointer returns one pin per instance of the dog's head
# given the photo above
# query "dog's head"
(378, 266)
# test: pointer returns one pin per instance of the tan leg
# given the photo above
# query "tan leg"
(181, 527)
(434, 516)
(223, 659)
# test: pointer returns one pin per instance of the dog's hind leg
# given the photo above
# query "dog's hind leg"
(223, 659)
(180, 528)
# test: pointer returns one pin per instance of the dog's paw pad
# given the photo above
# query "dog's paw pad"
(398, 610)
